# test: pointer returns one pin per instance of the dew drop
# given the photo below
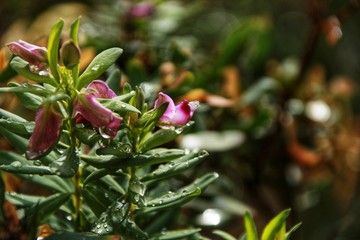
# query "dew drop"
(123, 105)
(95, 67)
(37, 162)
(16, 164)
(98, 226)
(202, 153)
(161, 202)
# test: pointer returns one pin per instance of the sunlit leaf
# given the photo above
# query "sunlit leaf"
(22, 68)
(176, 234)
(176, 166)
(161, 137)
(288, 234)
(250, 227)
(275, 225)
(224, 235)
(117, 106)
(98, 66)
(53, 48)
(15, 163)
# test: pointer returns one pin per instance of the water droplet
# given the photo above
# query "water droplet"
(98, 226)
(58, 172)
(95, 67)
(171, 164)
(187, 151)
(69, 218)
(16, 164)
(161, 202)
(184, 192)
(156, 155)
(123, 105)
(37, 162)
(202, 153)
(179, 130)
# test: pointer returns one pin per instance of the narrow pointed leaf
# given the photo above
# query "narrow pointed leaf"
(67, 165)
(22, 128)
(250, 227)
(10, 115)
(98, 66)
(50, 204)
(15, 163)
(223, 235)
(74, 36)
(78, 236)
(2, 198)
(156, 156)
(288, 234)
(176, 234)
(15, 140)
(275, 225)
(96, 200)
(166, 201)
(176, 166)
(87, 136)
(117, 106)
(53, 48)
(52, 182)
(22, 68)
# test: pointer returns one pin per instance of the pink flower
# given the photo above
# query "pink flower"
(48, 122)
(87, 107)
(175, 115)
(36, 56)
(141, 10)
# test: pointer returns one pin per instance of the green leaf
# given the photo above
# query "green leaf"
(250, 227)
(117, 106)
(96, 199)
(15, 140)
(22, 128)
(15, 163)
(161, 137)
(26, 87)
(105, 176)
(176, 234)
(22, 68)
(223, 235)
(67, 165)
(176, 166)
(53, 48)
(119, 149)
(155, 156)
(52, 182)
(74, 29)
(152, 117)
(30, 101)
(275, 225)
(113, 81)
(288, 234)
(10, 115)
(87, 136)
(98, 66)
(50, 204)
(22, 200)
(77, 236)
(170, 200)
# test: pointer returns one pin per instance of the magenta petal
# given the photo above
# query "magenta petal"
(47, 129)
(175, 115)
(102, 89)
(34, 55)
(89, 108)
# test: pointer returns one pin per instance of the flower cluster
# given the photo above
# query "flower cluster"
(85, 106)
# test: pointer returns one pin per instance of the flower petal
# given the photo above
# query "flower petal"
(48, 122)
(175, 115)
(34, 55)
(102, 89)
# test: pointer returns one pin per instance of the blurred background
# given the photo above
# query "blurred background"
(278, 85)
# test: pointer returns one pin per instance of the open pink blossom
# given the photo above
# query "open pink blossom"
(48, 122)
(175, 115)
(36, 56)
(87, 107)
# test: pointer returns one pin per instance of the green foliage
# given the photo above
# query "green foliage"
(274, 230)
(105, 181)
